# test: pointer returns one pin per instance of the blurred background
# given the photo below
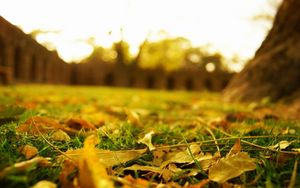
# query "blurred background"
(186, 45)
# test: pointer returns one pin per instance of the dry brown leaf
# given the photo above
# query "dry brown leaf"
(78, 124)
(92, 172)
(28, 151)
(230, 167)
(37, 124)
(60, 135)
(44, 184)
(109, 158)
(24, 165)
(147, 140)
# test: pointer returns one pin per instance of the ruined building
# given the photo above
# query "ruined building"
(23, 60)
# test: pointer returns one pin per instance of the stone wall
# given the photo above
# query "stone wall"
(187, 78)
(23, 60)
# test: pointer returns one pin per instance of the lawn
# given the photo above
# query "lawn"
(115, 137)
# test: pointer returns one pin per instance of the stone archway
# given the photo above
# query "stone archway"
(17, 62)
(2, 62)
(170, 83)
(189, 84)
(33, 68)
(2, 53)
(109, 79)
(150, 82)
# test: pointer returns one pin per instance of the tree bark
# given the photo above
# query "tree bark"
(274, 71)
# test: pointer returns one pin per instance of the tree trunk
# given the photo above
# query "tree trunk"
(274, 71)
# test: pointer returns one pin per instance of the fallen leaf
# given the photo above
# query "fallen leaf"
(78, 124)
(28, 151)
(68, 173)
(92, 172)
(185, 157)
(44, 184)
(60, 135)
(109, 158)
(201, 184)
(158, 156)
(10, 113)
(167, 174)
(230, 167)
(25, 165)
(131, 182)
(36, 125)
(230, 185)
(281, 145)
(237, 116)
(147, 140)
(296, 149)
(137, 167)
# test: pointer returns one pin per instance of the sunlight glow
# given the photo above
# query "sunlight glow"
(226, 25)
(210, 67)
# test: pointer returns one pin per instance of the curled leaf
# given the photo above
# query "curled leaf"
(78, 124)
(147, 140)
(281, 145)
(24, 165)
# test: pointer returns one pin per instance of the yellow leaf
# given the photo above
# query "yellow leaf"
(44, 184)
(230, 167)
(136, 167)
(296, 149)
(147, 140)
(92, 172)
(281, 145)
(24, 165)
(185, 157)
(109, 158)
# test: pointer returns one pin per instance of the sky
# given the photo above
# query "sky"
(226, 25)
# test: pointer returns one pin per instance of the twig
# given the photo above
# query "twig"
(258, 146)
(213, 136)
(50, 144)
(294, 175)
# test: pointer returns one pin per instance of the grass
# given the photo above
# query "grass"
(176, 117)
